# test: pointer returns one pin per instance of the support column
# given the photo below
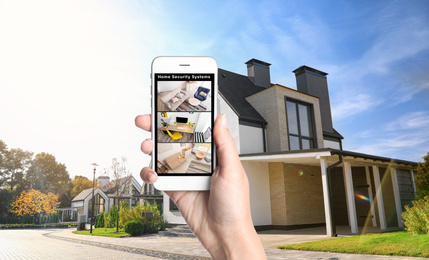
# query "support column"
(347, 171)
(414, 183)
(379, 197)
(370, 196)
(326, 202)
(397, 196)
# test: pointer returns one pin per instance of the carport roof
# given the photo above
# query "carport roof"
(312, 157)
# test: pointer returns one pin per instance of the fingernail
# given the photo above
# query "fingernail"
(224, 121)
(148, 176)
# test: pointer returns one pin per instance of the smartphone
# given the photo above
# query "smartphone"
(184, 99)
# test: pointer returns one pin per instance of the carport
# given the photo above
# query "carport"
(358, 190)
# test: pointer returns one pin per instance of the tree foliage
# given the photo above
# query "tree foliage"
(35, 202)
(80, 183)
(46, 174)
(422, 177)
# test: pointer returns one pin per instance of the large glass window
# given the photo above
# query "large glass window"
(300, 125)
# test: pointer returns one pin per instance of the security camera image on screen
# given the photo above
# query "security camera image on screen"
(184, 123)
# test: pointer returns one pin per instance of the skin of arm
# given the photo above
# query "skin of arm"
(220, 217)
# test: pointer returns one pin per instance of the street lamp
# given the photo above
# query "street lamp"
(93, 199)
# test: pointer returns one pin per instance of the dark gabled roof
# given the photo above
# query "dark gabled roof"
(235, 88)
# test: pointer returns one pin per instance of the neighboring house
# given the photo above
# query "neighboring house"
(299, 174)
(104, 196)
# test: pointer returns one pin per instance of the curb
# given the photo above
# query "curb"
(147, 252)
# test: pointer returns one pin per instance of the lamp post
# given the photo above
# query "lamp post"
(93, 199)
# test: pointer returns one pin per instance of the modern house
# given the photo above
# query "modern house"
(299, 174)
(105, 196)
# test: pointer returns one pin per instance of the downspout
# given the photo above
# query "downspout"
(264, 137)
(331, 204)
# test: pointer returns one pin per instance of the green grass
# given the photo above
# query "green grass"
(104, 232)
(399, 243)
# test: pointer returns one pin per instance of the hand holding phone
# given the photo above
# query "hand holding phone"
(220, 218)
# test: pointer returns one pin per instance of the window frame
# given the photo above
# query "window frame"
(311, 121)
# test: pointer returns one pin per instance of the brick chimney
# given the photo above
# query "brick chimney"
(259, 72)
(314, 82)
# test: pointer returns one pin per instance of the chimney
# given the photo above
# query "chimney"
(259, 72)
(103, 183)
(314, 82)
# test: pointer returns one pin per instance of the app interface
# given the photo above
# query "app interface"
(184, 124)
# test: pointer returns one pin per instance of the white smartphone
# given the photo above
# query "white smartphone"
(184, 98)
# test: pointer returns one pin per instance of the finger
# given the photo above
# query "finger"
(148, 175)
(144, 122)
(147, 146)
(227, 154)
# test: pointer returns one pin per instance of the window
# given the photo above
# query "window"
(300, 125)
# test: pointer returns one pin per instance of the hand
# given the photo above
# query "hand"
(220, 218)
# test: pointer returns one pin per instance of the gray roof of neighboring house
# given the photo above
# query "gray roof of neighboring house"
(83, 194)
(235, 88)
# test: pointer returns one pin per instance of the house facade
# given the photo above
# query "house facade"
(299, 174)
(104, 196)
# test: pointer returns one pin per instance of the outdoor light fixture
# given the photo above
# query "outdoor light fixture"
(93, 199)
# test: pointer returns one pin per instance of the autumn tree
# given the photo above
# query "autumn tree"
(47, 175)
(35, 202)
(80, 183)
(422, 177)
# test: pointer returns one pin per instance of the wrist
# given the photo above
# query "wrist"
(242, 243)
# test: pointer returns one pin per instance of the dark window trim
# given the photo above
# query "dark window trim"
(313, 137)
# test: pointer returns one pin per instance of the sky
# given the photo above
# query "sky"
(74, 74)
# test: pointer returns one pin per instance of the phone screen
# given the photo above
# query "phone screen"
(184, 119)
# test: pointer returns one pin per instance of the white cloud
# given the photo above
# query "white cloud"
(354, 105)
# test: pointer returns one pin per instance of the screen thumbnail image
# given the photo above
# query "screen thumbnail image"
(184, 127)
(184, 158)
(184, 96)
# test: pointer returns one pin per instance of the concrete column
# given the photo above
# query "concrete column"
(347, 171)
(327, 205)
(379, 197)
(414, 183)
(397, 196)
(370, 196)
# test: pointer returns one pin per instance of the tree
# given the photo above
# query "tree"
(422, 177)
(35, 202)
(47, 175)
(121, 179)
(80, 183)
(15, 165)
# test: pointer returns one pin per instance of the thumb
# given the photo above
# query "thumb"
(227, 155)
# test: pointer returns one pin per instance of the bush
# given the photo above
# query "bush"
(99, 220)
(32, 226)
(416, 218)
(134, 228)
(110, 220)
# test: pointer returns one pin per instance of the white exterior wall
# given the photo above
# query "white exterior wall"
(172, 217)
(331, 144)
(259, 185)
(232, 121)
(251, 139)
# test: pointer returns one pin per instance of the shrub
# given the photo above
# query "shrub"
(99, 220)
(416, 218)
(134, 228)
(155, 224)
(110, 221)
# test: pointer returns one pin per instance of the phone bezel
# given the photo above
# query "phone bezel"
(183, 64)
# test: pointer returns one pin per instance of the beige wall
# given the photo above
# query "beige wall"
(295, 199)
(270, 103)
(259, 185)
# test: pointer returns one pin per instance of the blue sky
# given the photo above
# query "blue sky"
(73, 74)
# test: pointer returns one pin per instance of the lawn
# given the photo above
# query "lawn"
(104, 232)
(399, 243)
